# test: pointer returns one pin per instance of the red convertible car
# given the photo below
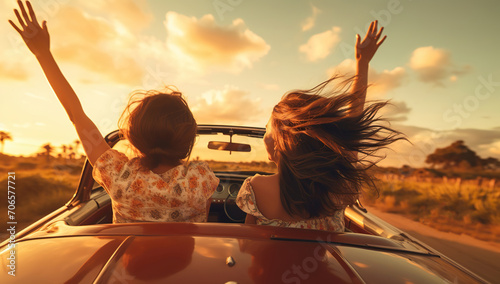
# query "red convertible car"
(79, 244)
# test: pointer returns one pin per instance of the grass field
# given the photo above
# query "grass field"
(469, 207)
(40, 187)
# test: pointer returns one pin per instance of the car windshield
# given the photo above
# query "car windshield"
(241, 150)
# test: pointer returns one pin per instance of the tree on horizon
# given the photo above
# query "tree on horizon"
(4, 136)
(71, 152)
(48, 150)
(459, 156)
(64, 149)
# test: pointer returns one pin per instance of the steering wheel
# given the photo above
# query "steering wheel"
(227, 213)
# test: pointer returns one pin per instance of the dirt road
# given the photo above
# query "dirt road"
(482, 258)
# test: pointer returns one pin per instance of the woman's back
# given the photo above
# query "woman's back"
(259, 196)
(138, 194)
(267, 195)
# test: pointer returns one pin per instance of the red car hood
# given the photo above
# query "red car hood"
(218, 253)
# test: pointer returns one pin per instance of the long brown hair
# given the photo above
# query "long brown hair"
(323, 148)
(160, 126)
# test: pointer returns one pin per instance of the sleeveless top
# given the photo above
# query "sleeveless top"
(246, 201)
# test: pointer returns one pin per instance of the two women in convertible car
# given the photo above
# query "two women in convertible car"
(319, 138)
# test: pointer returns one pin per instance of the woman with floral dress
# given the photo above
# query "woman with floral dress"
(322, 141)
(159, 184)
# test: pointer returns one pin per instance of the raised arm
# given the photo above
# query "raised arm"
(365, 50)
(37, 39)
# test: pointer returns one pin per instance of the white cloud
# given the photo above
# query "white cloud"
(429, 57)
(229, 105)
(493, 148)
(395, 111)
(132, 15)
(95, 43)
(310, 21)
(10, 71)
(104, 44)
(321, 45)
(99, 36)
(203, 44)
(380, 82)
(434, 65)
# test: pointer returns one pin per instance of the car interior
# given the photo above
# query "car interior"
(223, 209)
(96, 209)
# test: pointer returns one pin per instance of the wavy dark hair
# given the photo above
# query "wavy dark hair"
(324, 148)
(160, 126)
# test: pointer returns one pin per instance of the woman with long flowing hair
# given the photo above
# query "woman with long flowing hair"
(323, 141)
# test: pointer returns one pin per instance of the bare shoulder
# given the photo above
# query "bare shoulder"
(267, 196)
(260, 182)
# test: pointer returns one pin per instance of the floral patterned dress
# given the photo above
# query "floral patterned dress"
(137, 194)
(246, 201)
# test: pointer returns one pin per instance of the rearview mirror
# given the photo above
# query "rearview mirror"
(229, 146)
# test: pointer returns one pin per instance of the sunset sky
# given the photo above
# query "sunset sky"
(234, 59)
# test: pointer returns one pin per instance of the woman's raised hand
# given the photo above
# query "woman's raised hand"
(35, 36)
(366, 48)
